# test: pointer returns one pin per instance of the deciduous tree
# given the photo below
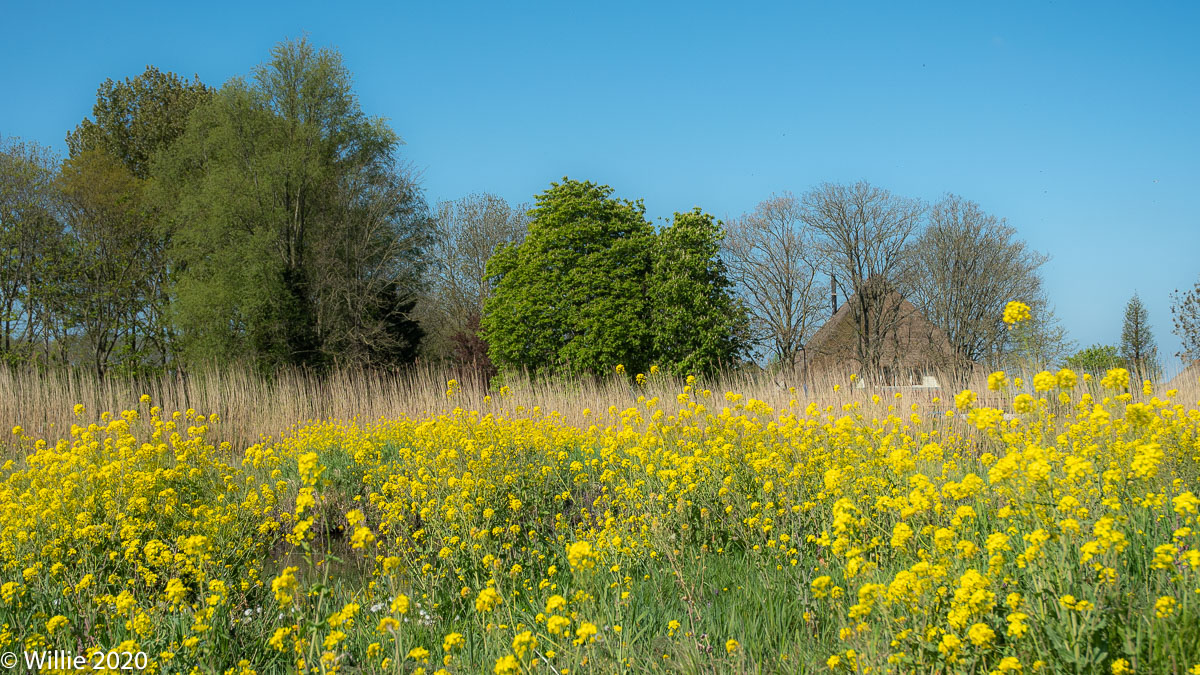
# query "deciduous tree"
(1096, 359)
(967, 264)
(298, 234)
(133, 121)
(1185, 315)
(698, 326)
(138, 117)
(466, 233)
(572, 296)
(111, 260)
(32, 276)
(774, 263)
(862, 233)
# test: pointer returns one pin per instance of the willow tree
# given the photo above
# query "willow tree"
(296, 231)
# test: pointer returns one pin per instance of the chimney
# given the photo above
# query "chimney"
(832, 294)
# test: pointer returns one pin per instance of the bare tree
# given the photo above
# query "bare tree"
(862, 233)
(1185, 315)
(1039, 343)
(773, 263)
(967, 265)
(467, 232)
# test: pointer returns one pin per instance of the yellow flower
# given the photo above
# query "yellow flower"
(362, 537)
(344, 616)
(400, 604)
(524, 642)
(1067, 379)
(487, 600)
(820, 586)
(1009, 664)
(1016, 312)
(731, 646)
(949, 645)
(1164, 606)
(586, 632)
(452, 642)
(55, 623)
(1120, 667)
(1117, 378)
(276, 640)
(557, 625)
(981, 635)
(1044, 381)
(507, 665)
(964, 399)
(580, 555)
(997, 381)
(176, 591)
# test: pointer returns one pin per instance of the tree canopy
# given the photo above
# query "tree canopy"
(296, 233)
(593, 286)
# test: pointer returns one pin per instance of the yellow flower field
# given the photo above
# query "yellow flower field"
(1042, 526)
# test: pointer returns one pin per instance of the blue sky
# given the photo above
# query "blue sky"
(1078, 122)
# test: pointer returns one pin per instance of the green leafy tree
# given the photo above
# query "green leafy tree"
(133, 121)
(297, 234)
(138, 117)
(697, 324)
(572, 296)
(1138, 348)
(111, 260)
(1096, 359)
(32, 273)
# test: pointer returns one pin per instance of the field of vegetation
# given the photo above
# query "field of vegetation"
(643, 524)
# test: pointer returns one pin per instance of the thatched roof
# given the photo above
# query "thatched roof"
(911, 342)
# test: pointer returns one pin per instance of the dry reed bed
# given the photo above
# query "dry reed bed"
(252, 406)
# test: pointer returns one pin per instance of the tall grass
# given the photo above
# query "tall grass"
(253, 406)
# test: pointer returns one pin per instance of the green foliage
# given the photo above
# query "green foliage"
(573, 295)
(295, 235)
(592, 286)
(110, 262)
(136, 118)
(1096, 359)
(697, 324)
(132, 122)
(32, 275)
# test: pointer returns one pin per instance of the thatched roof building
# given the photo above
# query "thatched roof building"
(911, 349)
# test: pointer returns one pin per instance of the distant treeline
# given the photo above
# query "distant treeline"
(271, 221)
